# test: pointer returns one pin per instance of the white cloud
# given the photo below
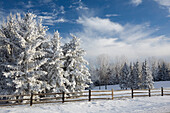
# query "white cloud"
(79, 5)
(132, 33)
(26, 5)
(164, 3)
(132, 41)
(136, 2)
(100, 25)
(46, 17)
(110, 15)
(52, 21)
(51, 18)
(29, 5)
(62, 9)
(61, 20)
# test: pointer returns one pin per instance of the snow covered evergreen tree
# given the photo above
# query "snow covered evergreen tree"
(114, 77)
(5, 88)
(130, 79)
(137, 76)
(24, 37)
(147, 79)
(75, 66)
(55, 77)
(7, 85)
(124, 74)
(117, 73)
(163, 73)
(3, 82)
(154, 71)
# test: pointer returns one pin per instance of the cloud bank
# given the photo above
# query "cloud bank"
(103, 36)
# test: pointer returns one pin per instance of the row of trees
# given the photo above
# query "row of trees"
(132, 75)
(31, 61)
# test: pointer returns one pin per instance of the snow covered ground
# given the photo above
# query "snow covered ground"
(156, 104)
(159, 84)
(136, 105)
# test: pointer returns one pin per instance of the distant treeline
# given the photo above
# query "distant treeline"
(137, 75)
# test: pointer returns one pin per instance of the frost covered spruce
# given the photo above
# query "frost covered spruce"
(24, 37)
(137, 76)
(55, 77)
(29, 61)
(147, 79)
(4, 88)
(124, 74)
(75, 66)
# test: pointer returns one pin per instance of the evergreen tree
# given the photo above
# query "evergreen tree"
(147, 79)
(117, 73)
(110, 76)
(163, 73)
(7, 85)
(130, 79)
(124, 74)
(75, 66)
(55, 77)
(136, 76)
(24, 37)
(4, 88)
(155, 73)
(159, 74)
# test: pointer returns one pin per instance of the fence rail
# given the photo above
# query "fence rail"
(39, 98)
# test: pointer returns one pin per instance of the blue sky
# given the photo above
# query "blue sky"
(136, 29)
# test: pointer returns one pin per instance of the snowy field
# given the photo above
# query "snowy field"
(156, 104)
(165, 84)
(136, 105)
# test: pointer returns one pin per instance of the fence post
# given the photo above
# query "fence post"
(112, 94)
(63, 94)
(162, 91)
(17, 97)
(20, 97)
(31, 99)
(89, 95)
(149, 92)
(132, 92)
(105, 86)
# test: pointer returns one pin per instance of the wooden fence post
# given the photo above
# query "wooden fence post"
(162, 91)
(20, 98)
(63, 94)
(17, 97)
(89, 95)
(132, 92)
(31, 99)
(112, 94)
(149, 92)
(105, 86)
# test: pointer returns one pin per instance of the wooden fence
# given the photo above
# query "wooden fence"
(88, 95)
